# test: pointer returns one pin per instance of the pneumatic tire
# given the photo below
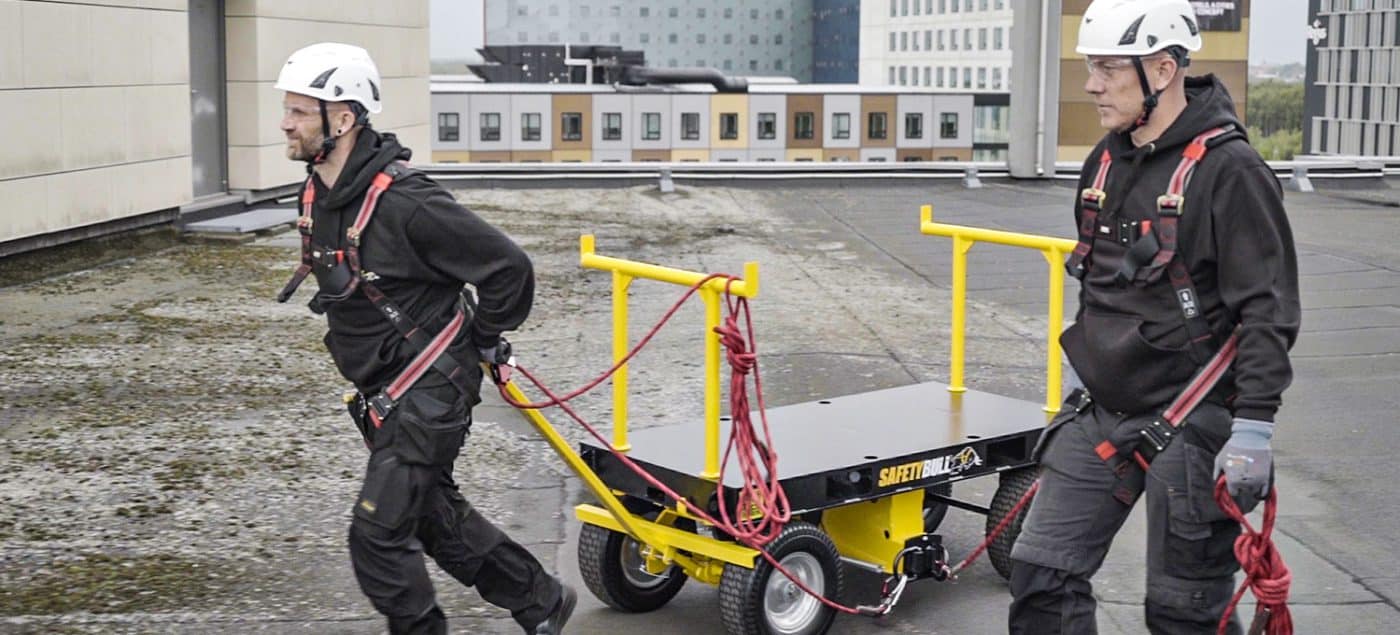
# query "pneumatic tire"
(613, 568)
(1014, 484)
(763, 601)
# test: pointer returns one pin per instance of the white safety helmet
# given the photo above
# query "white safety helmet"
(1137, 27)
(331, 71)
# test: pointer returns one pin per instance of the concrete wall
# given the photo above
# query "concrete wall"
(94, 112)
(259, 36)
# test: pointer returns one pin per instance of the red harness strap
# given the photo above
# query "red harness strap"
(308, 196)
(1091, 204)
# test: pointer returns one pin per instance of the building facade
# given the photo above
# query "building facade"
(757, 37)
(1353, 78)
(948, 45)
(529, 123)
(1224, 52)
(122, 113)
(836, 41)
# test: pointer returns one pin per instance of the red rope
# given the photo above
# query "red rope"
(1264, 571)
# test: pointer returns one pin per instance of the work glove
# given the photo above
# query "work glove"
(1247, 461)
(498, 360)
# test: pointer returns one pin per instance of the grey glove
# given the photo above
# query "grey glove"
(1247, 461)
(498, 360)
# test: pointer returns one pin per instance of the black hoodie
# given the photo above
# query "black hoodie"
(1129, 343)
(425, 247)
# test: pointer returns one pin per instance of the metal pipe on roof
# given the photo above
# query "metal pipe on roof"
(641, 76)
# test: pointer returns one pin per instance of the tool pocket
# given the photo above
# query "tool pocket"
(1200, 537)
(387, 494)
(1073, 405)
(1125, 370)
(428, 429)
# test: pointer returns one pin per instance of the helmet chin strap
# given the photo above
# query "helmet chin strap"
(327, 141)
(1149, 98)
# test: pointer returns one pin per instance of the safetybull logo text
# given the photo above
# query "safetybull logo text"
(951, 465)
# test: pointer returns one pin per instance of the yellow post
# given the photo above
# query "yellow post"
(712, 306)
(955, 376)
(1055, 319)
(620, 282)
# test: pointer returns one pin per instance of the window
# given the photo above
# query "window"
(728, 64)
(948, 125)
(928, 40)
(753, 39)
(894, 8)
(982, 78)
(953, 39)
(530, 126)
(571, 123)
(612, 126)
(904, 7)
(583, 37)
(778, 39)
(615, 38)
(928, 76)
(553, 9)
(674, 12)
(778, 14)
(690, 125)
(753, 65)
(615, 11)
(892, 72)
(877, 121)
(967, 77)
(584, 11)
(967, 37)
(913, 125)
(672, 39)
(700, 13)
(728, 38)
(522, 37)
(522, 10)
(954, 6)
(778, 64)
(699, 38)
(449, 126)
(940, 39)
(645, 37)
(767, 125)
(903, 75)
(981, 5)
(728, 13)
(490, 126)
(802, 125)
(981, 39)
(917, 6)
(840, 125)
(753, 14)
(996, 39)
(943, 5)
(729, 125)
(996, 78)
(904, 40)
(651, 126)
(893, 40)
(645, 11)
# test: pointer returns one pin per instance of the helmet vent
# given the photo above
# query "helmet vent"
(1131, 34)
(320, 81)
(373, 89)
(338, 90)
(1191, 24)
(1151, 41)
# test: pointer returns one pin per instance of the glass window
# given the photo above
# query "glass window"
(778, 64)
(894, 8)
(728, 65)
(943, 6)
(778, 39)
(967, 77)
(728, 38)
(699, 38)
(522, 37)
(894, 39)
(645, 11)
(982, 78)
(841, 125)
(892, 72)
(913, 125)
(553, 9)
(729, 125)
(777, 14)
(904, 76)
(612, 126)
(671, 39)
(768, 125)
(940, 77)
(700, 13)
(954, 6)
(753, 65)
(615, 10)
(928, 40)
(802, 125)
(584, 11)
(996, 78)
(753, 14)
(571, 125)
(690, 125)
(753, 39)
(904, 7)
(903, 40)
(490, 126)
(644, 37)
(981, 39)
(728, 13)
(928, 76)
(953, 39)
(530, 126)
(996, 39)
(877, 125)
(615, 38)
(449, 126)
(948, 125)
(522, 10)
(583, 36)
(673, 12)
(940, 39)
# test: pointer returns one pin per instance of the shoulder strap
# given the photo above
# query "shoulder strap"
(308, 198)
(1091, 204)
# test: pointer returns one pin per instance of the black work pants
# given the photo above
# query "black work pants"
(408, 507)
(1083, 502)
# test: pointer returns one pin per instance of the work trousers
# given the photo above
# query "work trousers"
(1082, 503)
(409, 505)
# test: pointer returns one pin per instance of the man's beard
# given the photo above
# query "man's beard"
(304, 149)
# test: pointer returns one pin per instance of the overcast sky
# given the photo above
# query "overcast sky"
(1276, 35)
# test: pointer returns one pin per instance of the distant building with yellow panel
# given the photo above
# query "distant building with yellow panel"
(1225, 52)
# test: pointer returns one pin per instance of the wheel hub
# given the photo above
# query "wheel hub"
(788, 608)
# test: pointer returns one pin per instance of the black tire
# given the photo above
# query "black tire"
(1014, 484)
(763, 601)
(934, 511)
(611, 565)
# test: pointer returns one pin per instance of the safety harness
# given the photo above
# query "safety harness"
(1152, 253)
(432, 351)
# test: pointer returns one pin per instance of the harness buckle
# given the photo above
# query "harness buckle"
(1093, 195)
(382, 404)
(1157, 435)
(353, 235)
(304, 224)
(1170, 204)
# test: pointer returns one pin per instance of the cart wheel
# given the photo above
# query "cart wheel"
(763, 601)
(614, 569)
(934, 511)
(1014, 484)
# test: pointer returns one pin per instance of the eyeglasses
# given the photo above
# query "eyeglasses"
(1105, 68)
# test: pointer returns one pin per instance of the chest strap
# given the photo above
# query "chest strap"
(432, 351)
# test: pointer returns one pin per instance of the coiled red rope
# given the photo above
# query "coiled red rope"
(1264, 571)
